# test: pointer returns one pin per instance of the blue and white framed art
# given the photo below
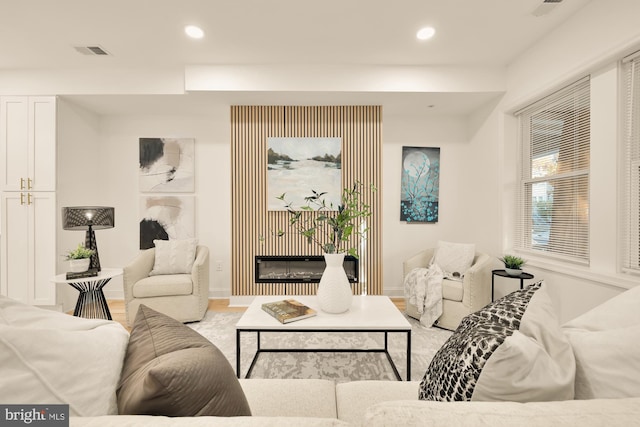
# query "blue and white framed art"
(420, 192)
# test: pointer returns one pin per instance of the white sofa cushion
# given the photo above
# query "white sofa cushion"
(355, 397)
(606, 344)
(452, 290)
(163, 285)
(47, 357)
(204, 421)
(512, 349)
(174, 256)
(313, 398)
(594, 413)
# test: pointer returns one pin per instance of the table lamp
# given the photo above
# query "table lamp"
(89, 218)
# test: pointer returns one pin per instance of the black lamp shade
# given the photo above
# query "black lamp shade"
(81, 217)
(89, 218)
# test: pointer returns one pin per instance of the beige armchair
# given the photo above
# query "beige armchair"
(185, 297)
(458, 298)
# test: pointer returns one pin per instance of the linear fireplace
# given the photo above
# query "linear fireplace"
(298, 269)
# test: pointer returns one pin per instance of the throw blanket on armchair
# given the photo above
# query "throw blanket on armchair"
(424, 287)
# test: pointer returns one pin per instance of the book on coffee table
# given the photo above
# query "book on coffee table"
(288, 310)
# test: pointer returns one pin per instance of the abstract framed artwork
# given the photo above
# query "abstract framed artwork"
(296, 166)
(166, 165)
(420, 192)
(166, 218)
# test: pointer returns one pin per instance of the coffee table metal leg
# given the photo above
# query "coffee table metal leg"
(409, 355)
(238, 353)
(255, 358)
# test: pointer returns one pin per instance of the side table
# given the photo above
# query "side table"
(91, 302)
(503, 273)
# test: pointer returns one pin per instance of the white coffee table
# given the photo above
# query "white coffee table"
(370, 313)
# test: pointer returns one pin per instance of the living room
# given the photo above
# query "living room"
(103, 111)
(466, 108)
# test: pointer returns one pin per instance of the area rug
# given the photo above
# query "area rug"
(219, 328)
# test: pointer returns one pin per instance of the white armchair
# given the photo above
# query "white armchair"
(458, 298)
(185, 297)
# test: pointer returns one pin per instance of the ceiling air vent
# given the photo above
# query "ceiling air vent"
(546, 7)
(91, 50)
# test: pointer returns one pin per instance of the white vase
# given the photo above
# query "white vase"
(79, 265)
(334, 291)
(513, 271)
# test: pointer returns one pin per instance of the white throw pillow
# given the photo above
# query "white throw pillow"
(606, 344)
(454, 257)
(174, 256)
(607, 362)
(48, 357)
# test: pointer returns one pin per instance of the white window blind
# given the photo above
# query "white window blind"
(630, 229)
(553, 199)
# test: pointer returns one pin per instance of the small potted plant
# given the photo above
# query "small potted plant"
(513, 264)
(79, 258)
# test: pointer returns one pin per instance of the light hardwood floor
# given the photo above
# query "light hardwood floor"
(118, 314)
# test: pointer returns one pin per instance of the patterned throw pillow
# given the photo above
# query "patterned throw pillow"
(512, 349)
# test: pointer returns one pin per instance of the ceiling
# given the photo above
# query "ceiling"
(41, 34)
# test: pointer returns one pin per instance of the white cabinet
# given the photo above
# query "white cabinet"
(28, 198)
(28, 143)
(28, 246)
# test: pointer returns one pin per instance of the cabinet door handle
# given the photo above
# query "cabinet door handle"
(29, 199)
(22, 198)
(29, 183)
(21, 183)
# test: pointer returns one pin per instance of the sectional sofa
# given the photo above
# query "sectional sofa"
(48, 357)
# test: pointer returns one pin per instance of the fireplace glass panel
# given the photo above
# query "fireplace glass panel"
(295, 269)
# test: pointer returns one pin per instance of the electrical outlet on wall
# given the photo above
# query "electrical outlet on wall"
(218, 265)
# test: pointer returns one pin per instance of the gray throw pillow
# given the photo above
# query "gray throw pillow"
(513, 349)
(171, 370)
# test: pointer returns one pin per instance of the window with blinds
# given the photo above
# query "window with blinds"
(553, 197)
(630, 229)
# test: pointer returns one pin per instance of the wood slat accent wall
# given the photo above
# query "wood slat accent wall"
(360, 128)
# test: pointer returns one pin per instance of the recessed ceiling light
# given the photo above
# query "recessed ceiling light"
(425, 33)
(194, 32)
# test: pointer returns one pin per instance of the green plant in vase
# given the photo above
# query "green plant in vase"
(512, 264)
(80, 252)
(331, 228)
(80, 258)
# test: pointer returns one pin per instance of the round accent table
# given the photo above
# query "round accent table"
(502, 273)
(91, 301)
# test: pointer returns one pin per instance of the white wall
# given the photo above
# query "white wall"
(79, 173)
(118, 154)
(467, 173)
(478, 178)
(469, 204)
(589, 43)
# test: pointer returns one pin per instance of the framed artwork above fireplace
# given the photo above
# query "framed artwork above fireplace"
(296, 166)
